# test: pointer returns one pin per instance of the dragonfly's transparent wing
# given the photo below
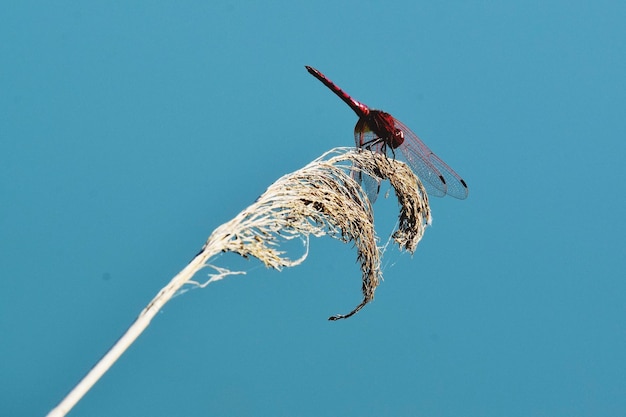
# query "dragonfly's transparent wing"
(365, 139)
(438, 178)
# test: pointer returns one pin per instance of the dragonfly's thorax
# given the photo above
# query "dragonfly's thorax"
(383, 125)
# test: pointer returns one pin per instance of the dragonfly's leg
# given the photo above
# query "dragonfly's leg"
(393, 154)
(368, 145)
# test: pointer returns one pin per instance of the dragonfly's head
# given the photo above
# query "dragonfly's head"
(384, 126)
(397, 139)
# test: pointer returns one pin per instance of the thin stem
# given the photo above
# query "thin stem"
(133, 332)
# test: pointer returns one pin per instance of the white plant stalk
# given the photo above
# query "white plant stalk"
(320, 199)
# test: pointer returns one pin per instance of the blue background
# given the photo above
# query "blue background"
(130, 131)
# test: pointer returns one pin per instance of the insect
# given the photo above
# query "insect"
(380, 132)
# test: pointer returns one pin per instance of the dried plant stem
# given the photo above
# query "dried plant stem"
(133, 332)
(321, 198)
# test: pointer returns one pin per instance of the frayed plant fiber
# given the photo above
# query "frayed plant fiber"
(323, 199)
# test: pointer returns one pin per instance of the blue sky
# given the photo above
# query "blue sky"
(130, 131)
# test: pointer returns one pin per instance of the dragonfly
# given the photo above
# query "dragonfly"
(380, 132)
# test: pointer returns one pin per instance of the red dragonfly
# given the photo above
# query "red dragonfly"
(379, 131)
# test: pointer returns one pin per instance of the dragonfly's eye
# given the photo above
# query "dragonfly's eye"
(398, 138)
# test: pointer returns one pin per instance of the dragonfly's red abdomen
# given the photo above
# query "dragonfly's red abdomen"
(359, 108)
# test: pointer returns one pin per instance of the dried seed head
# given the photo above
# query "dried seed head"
(323, 198)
